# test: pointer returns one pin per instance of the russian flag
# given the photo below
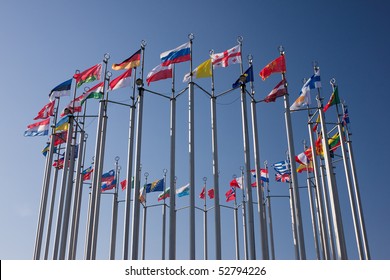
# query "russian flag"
(180, 54)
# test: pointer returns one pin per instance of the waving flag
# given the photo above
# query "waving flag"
(46, 149)
(108, 176)
(159, 73)
(282, 167)
(278, 91)
(86, 174)
(263, 174)
(128, 63)
(163, 195)
(210, 193)
(38, 129)
(334, 99)
(248, 75)
(59, 163)
(183, 191)
(276, 66)
(236, 182)
(89, 75)
(121, 81)
(156, 186)
(46, 111)
(309, 167)
(108, 185)
(75, 106)
(202, 71)
(285, 178)
(177, 55)
(202, 194)
(224, 59)
(302, 158)
(62, 124)
(304, 97)
(345, 117)
(62, 89)
(95, 92)
(230, 194)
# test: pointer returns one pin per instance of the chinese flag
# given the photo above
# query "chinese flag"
(276, 66)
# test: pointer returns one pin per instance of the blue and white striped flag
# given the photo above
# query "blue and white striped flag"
(282, 167)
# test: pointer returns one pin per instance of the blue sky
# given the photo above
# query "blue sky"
(44, 42)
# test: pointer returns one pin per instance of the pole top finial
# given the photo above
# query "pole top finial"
(146, 174)
(250, 58)
(211, 52)
(143, 44)
(205, 179)
(119, 168)
(106, 57)
(117, 159)
(332, 81)
(108, 75)
(165, 171)
(86, 136)
(241, 168)
(240, 39)
(281, 50)
(191, 36)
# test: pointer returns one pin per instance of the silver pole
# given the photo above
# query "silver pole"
(143, 241)
(271, 231)
(294, 177)
(236, 227)
(114, 221)
(244, 226)
(293, 223)
(164, 218)
(205, 221)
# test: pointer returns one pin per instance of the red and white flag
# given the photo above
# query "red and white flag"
(159, 73)
(224, 59)
(46, 111)
(121, 81)
(278, 91)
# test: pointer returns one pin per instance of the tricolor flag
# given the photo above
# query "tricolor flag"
(230, 194)
(95, 92)
(304, 97)
(108, 185)
(46, 111)
(62, 89)
(183, 191)
(202, 71)
(278, 91)
(156, 186)
(89, 75)
(121, 81)
(86, 174)
(108, 176)
(59, 163)
(248, 75)
(237, 182)
(177, 55)
(334, 99)
(285, 178)
(276, 66)
(38, 129)
(224, 59)
(263, 174)
(159, 72)
(128, 63)
(163, 195)
(334, 142)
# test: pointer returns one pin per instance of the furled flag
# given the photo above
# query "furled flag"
(202, 194)
(236, 182)
(278, 91)
(318, 144)
(183, 191)
(282, 167)
(309, 168)
(60, 137)
(95, 92)
(224, 59)
(276, 66)
(108, 176)
(345, 117)
(177, 55)
(61, 90)
(334, 99)
(315, 126)
(285, 178)
(86, 174)
(156, 186)
(304, 97)
(142, 195)
(123, 184)
(89, 75)
(46, 111)
(121, 81)
(210, 193)
(230, 194)
(62, 124)
(59, 163)
(264, 176)
(202, 71)
(248, 75)
(163, 195)
(159, 72)
(108, 185)
(38, 129)
(128, 63)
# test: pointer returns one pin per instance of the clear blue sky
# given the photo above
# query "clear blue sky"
(44, 42)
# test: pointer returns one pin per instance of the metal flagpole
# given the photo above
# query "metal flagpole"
(293, 222)
(145, 208)
(245, 135)
(332, 187)
(271, 231)
(244, 227)
(236, 225)
(205, 221)
(260, 194)
(164, 218)
(214, 140)
(45, 190)
(294, 177)
(114, 220)
(137, 168)
(191, 146)
(357, 192)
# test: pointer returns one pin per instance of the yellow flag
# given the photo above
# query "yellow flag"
(203, 70)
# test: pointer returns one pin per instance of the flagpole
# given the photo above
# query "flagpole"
(137, 167)
(352, 198)
(45, 190)
(293, 222)
(214, 140)
(143, 241)
(164, 218)
(245, 135)
(114, 220)
(205, 221)
(260, 195)
(271, 231)
(191, 135)
(236, 225)
(294, 177)
(244, 225)
(357, 192)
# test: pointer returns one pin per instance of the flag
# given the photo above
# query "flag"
(95, 92)
(236, 182)
(62, 124)
(121, 81)
(159, 72)
(202, 71)
(38, 129)
(123, 184)
(315, 126)
(86, 174)
(304, 97)
(74, 106)
(278, 91)
(142, 195)
(183, 191)
(302, 158)
(108, 176)
(230, 194)
(275, 66)
(177, 55)
(263, 174)
(282, 167)
(156, 186)
(108, 185)
(318, 144)
(345, 117)
(308, 167)
(59, 163)
(60, 137)
(46, 149)
(46, 111)
(248, 75)
(163, 195)
(89, 75)
(210, 193)
(128, 63)
(334, 142)
(334, 99)
(61, 90)
(202, 194)
(224, 59)
(285, 178)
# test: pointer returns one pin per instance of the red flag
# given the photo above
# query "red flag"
(278, 91)
(60, 137)
(236, 182)
(202, 194)
(278, 65)
(46, 111)
(89, 75)
(159, 73)
(210, 193)
(59, 164)
(230, 194)
(123, 184)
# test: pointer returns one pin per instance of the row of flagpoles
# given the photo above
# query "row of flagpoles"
(70, 130)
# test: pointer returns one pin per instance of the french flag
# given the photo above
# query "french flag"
(180, 54)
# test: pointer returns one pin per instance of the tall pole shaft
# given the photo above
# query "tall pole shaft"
(114, 219)
(293, 224)
(271, 230)
(172, 198)
(237, 247)
(164, 218)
